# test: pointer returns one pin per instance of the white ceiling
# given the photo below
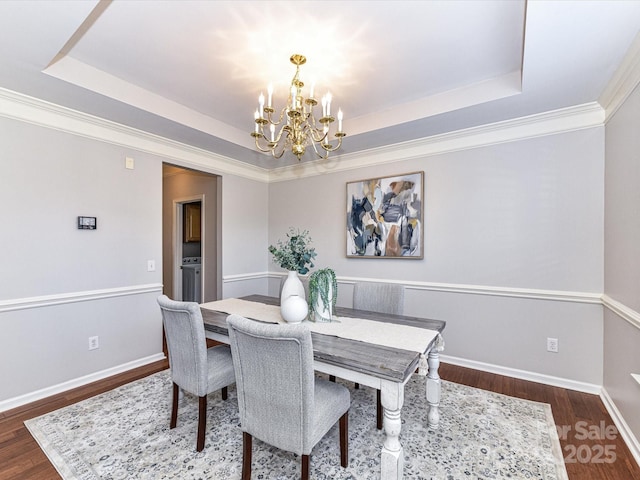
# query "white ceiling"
(191, 71)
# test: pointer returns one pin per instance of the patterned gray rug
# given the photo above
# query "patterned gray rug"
(125, 433)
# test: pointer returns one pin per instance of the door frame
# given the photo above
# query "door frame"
(177, 239)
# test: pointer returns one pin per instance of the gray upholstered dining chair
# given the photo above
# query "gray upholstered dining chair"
(281, 401)
(381, 298)
(194, 367)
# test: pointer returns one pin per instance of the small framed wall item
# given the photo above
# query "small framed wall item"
(385, 217)
(87, 223)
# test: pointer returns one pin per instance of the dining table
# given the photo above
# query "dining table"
(377, 365)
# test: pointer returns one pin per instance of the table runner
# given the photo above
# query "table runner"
(404, 337)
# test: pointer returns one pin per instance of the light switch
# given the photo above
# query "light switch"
(129, 163)
(151, 265)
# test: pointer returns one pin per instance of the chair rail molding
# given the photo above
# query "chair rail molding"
(627, 313)
(531, 293)
(74, 297)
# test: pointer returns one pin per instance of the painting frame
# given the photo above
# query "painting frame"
(385, 217)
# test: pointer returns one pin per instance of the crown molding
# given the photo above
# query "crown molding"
(45, 114)
(548, 123)
(39, 112)
(625, 79)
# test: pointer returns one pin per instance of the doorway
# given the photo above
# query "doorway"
(189, 261)
(191, 232)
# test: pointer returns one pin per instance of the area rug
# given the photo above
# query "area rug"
(124, 434)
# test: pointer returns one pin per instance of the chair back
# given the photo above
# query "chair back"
(379, 297)
(275, 381)
(187, 344)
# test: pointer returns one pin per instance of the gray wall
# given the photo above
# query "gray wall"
(60, 285)
(622, 262)
(509, 230)
(245, 226)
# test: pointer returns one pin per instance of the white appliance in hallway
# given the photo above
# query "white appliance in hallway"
(192, 279)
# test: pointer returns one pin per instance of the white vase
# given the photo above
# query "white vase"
(294, 309)
(321, 311)
(292, 286)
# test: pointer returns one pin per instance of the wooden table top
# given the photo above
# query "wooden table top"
(376, 360)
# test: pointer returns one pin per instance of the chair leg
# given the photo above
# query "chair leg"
(379, 410)
(246, 455)
(202, 422)
(305, 467)
(357, 386)
(332, 378)
(174, 406)
(344, 439)
(224, 393)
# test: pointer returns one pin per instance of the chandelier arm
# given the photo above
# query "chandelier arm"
(333, 148)
(321, 134)
(315, 149)
(277, 155)
(269, 116)
(257, 137)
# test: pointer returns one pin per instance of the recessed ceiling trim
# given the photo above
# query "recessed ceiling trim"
(493, 89)
(78, 73)
(38, 112)
(548, 123)
(84, 28)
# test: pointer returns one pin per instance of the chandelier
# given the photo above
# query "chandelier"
(298, 127)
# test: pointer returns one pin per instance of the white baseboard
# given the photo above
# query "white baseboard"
(77, 382)
(627, 435)
(525, 375)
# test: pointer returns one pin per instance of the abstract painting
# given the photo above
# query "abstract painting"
(384, 217)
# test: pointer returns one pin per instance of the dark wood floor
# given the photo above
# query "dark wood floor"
(592, 448)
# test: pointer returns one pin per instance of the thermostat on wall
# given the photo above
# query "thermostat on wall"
(87, 223)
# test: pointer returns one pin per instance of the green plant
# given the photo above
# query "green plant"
(321, 283)
(294, 254)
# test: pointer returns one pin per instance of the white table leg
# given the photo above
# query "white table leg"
(392, 457)
(433, 384)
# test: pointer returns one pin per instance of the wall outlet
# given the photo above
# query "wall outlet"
(93, 343)
(552, 345)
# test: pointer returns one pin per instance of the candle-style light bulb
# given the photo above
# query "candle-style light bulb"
(256, 116)
(273, 132)
(328, 104)
(261, 102)
(324, 105)
(339, 120)
(270, 92)
(313, 84)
